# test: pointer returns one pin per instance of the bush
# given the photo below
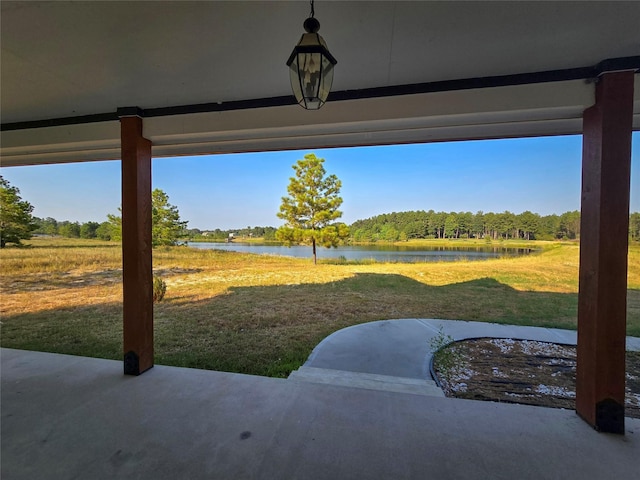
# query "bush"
(445, 356)
(159, 289)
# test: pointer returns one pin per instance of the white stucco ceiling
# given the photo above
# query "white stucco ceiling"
(65, 59)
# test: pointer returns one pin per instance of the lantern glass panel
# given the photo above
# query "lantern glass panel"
(327, 79)
(295, 80)
(310, 70)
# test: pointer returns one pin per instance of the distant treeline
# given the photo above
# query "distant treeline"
(51, 226)
(388, 227)
(526, 225)
(267, 233)
(104, 230)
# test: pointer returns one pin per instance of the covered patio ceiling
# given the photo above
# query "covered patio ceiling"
(210, 77)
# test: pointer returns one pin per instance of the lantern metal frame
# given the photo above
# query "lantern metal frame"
(311, 67)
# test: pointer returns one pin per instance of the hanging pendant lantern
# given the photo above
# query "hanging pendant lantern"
(311, 67)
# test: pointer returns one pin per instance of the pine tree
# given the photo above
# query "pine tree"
(312, 207)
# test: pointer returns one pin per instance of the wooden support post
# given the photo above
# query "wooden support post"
(604, 230)
(137, 273)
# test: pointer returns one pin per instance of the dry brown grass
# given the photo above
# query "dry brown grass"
(264, 314)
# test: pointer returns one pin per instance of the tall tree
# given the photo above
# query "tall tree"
(16, 221)
(312, 206)
(477, 224)
(89, 229)
(436, 223)
(465, 220)
(103, 232)
(507, 224)
(570, 225)
(529, 223)
(451, 225)
(69, 229)
(114, 230)
(166, 226)
(550, 227)
(491, 224)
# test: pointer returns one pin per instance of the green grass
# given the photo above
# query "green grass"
(263, 314)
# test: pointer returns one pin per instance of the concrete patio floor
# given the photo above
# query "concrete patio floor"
(66, 417)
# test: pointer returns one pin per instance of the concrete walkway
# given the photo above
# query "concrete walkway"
(67, 417)
(401, 348)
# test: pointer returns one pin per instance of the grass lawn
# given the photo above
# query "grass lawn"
(263, 314)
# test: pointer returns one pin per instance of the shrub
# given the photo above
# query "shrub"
(445, 355)
(159, 289)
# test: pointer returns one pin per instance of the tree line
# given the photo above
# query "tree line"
(65, 228)
(166, 226)
(17, 223)
(400, 226)
(266, 233)
(390, 227)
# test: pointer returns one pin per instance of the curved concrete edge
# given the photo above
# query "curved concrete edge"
(402, 348)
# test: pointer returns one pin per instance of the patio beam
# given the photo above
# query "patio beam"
(137, 273)
(602, 298)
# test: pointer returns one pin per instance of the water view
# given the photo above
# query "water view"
(379, 253)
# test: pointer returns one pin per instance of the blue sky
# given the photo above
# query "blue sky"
(239, 190)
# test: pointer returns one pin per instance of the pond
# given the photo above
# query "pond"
(379, 253)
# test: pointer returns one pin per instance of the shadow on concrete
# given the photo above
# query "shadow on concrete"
(72, 417)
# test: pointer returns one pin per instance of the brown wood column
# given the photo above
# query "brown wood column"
(604, 229)
(137, 273)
